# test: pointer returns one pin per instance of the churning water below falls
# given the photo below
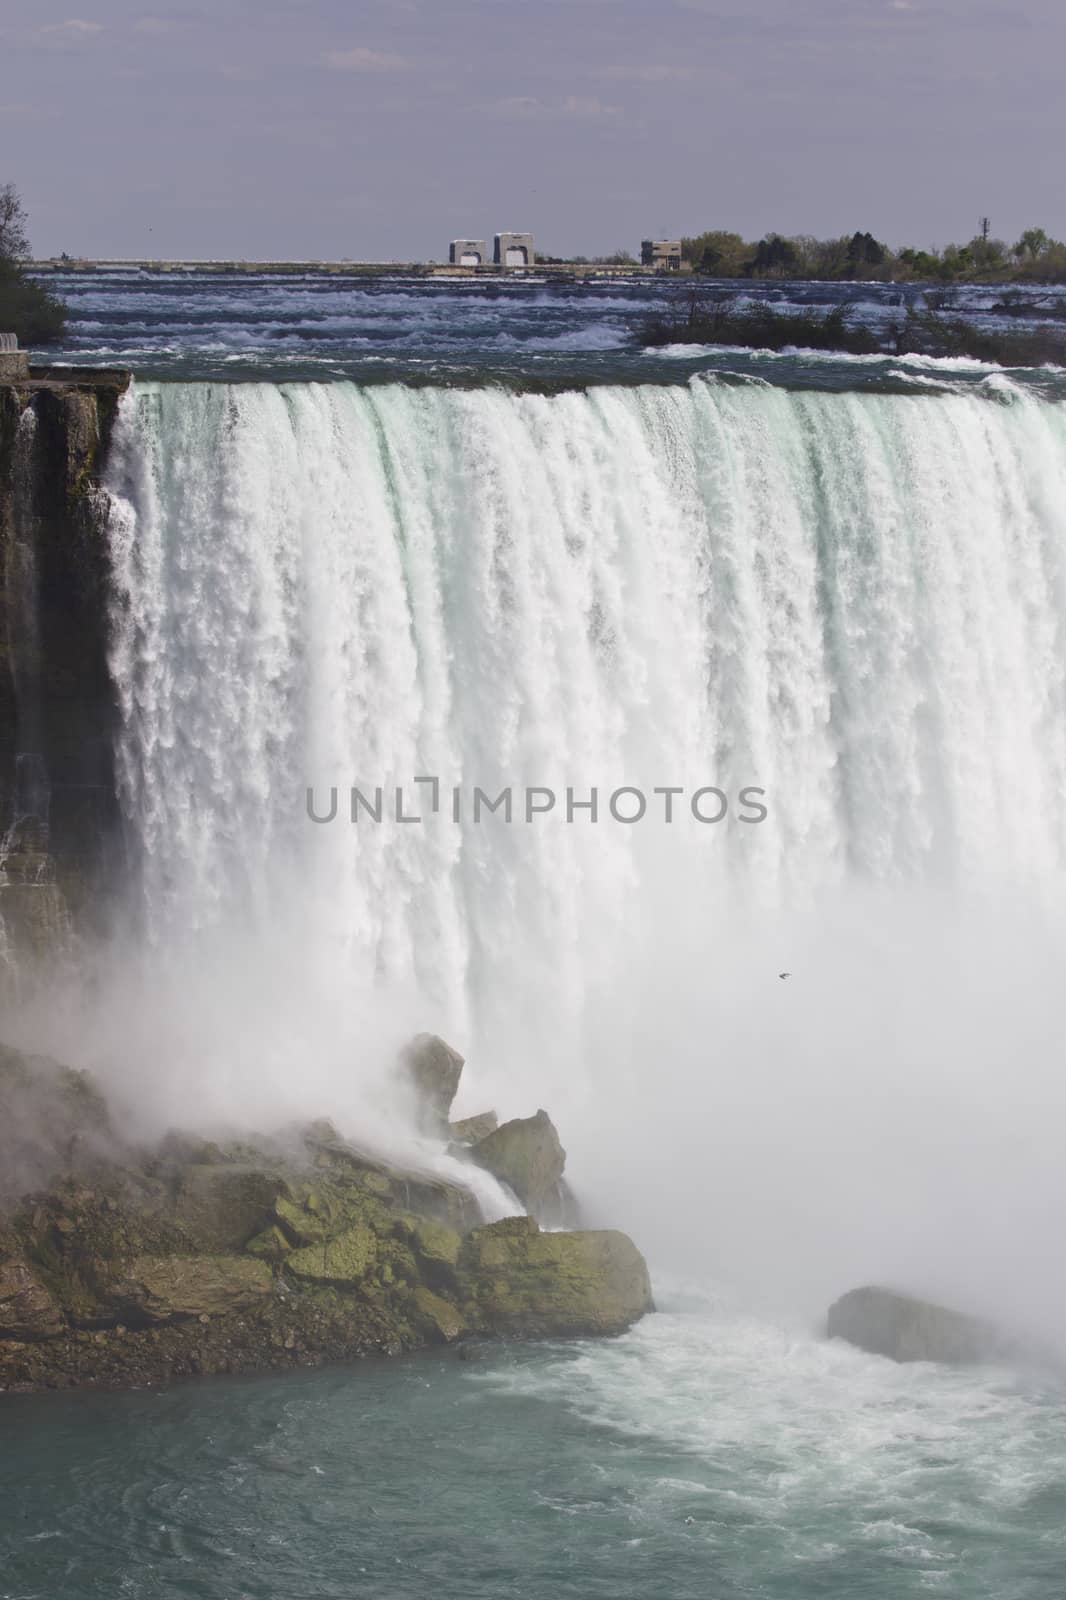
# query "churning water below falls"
(707, 1455)
(852, 602)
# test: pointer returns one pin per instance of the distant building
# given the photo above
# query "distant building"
(468, 253)
(514, 250)
(662, 254)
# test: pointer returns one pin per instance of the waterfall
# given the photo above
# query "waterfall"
(852, 601)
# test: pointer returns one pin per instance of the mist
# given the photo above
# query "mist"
(851, 601)
(890, 1112)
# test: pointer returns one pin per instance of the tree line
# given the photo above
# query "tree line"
(1035, 258)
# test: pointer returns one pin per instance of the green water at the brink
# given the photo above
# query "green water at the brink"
(707, 1454)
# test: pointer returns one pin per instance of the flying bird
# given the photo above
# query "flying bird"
(784, 974)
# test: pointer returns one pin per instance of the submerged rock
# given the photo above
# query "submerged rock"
(908, 1329)
(527, 1156)
(433, 1069)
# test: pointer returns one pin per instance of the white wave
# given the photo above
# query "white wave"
(814, 1449)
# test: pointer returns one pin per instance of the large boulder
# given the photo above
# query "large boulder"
(469, 1130)
(518, 1281)
(158, 1288)
(908, 1329)
(223, 1206)
(348, 1257)
(526, 1155)
(433, 1070)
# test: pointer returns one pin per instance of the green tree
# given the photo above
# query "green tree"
(1034, 242)
(14, 238)
(988, 255)
(865, 251)
(775, 256)
(718, 254)
(920, 263)
(25, 308)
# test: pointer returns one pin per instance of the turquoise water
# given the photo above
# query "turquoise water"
(706, 1454)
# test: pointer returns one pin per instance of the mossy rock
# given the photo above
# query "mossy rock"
(161, 1287)
(437, 1318)
(224, 1206)
(527, 1156)
(300, 1222)
(516, 1280)
(270, 1245)
(348, 1258)
(435, 1245)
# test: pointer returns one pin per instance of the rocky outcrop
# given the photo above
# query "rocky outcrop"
(519, 1281)
(469, 1130)
(527, 1156)
(131, 1266)
(433, 1070)
(58, 814)
(27, 1310)
(908, 1329)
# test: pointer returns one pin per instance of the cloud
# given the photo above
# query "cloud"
(73, 28)
(73, 34)
(586, 105)
(575, 105)
(645, 74)
(151, 25)
(362, 60)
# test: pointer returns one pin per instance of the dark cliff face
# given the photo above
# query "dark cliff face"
(58, 816)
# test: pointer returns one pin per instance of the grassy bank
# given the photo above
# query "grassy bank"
(729, 320)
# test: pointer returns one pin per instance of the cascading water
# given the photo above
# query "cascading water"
(853, 601)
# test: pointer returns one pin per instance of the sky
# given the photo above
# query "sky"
(382, 129)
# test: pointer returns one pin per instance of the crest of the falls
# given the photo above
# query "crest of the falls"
(855, 602)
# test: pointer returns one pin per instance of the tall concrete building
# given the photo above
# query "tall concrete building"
(468, 253)
(662, 254)
(514, 250)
